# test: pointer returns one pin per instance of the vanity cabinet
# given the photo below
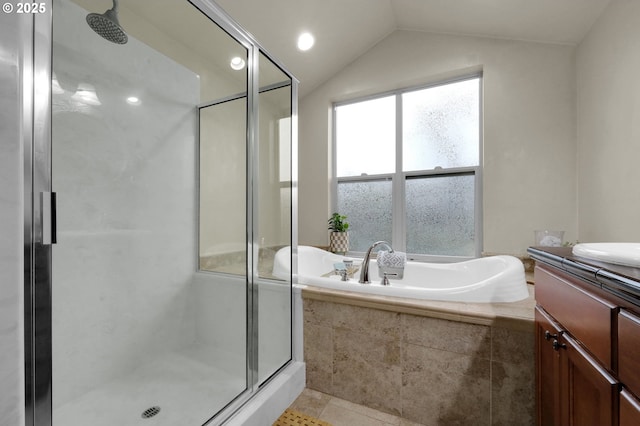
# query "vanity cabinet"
(548, 380)
(629, 367)
(629, 350)
(573, 386)
(629, 409)
(589, 394)
(587, 348)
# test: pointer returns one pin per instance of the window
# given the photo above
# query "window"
(407, 169)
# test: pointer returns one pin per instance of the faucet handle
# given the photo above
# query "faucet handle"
(385, 278)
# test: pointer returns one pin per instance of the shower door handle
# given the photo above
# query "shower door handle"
(48, 217)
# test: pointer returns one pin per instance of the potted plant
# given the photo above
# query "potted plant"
(339, 237)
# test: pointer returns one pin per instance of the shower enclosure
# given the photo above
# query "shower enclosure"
(163, 183)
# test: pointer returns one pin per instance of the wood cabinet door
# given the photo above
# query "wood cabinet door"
(629, 350)
(629, 409)
(547, 370)
(589, 392)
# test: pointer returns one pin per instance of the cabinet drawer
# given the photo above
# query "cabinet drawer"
(587, 317)
(629, 409)
(629, 350)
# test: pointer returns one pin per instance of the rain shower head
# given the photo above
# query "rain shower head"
(107, 25)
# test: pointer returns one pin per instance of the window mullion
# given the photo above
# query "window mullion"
(398, 215)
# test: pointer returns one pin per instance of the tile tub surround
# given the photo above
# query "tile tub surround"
(428, 362)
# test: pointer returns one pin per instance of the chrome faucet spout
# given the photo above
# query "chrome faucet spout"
(364, 270)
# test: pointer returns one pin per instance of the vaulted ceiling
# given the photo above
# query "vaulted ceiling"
(345, 29)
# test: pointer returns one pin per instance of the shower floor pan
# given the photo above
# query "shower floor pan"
(185, 390)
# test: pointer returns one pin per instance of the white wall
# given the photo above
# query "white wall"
(529, 128)
(274, 201)
(608, 60)
(223, 176)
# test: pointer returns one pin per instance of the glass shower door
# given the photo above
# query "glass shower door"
(223, 196)
(274, 194)
(137, 331)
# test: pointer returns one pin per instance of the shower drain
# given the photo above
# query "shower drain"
(150, 412)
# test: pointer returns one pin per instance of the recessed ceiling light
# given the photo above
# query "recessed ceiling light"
(133, 100)
(305, 41)
(237, 63)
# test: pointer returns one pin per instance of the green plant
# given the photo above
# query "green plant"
(337, 223)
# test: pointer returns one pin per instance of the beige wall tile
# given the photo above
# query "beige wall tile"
(428, 370)
(318, 312)
(452, 336)
(512, 346)
(367, 370)
(440, 387)
(513, 394)
(374, 322)
(318, 355)
(360, 347)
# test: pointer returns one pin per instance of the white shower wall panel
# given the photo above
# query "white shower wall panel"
(125, 178)
(11, 225)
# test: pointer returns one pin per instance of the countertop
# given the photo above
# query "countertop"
(621, 281)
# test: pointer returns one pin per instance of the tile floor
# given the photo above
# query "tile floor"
(340, 412)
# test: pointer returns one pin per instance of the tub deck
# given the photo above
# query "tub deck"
(513, 315)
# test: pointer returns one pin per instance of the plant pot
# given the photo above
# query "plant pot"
(339, 242)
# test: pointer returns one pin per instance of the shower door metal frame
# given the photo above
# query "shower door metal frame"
(36, 83)
(254, 49)
(35, 71)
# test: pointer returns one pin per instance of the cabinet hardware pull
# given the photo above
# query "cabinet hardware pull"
(549, 336)
(557, 345)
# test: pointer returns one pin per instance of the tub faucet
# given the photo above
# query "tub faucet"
(364, 269)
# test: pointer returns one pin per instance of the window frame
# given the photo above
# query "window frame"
(399, 177)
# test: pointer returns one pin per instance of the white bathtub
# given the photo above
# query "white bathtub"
(484, 280)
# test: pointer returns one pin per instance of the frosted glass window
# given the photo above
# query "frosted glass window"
(423, 146)
(440, 126)
(440, 215)
(367, 206)
(365, 137)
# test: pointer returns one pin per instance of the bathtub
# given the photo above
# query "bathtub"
(484, 280)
